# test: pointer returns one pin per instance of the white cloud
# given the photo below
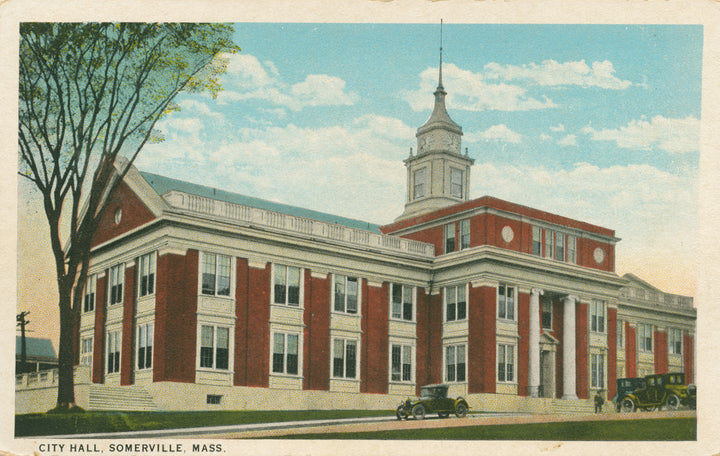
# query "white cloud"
(652, 211)
(499, 133)
(558, 128)
(249, 79)
(552, 73)
(545, 137)
(671, 135)
(569, 140)
(471, 92)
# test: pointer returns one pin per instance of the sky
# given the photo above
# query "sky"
(599, 123)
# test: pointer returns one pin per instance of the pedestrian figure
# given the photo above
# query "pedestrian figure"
(598, 402)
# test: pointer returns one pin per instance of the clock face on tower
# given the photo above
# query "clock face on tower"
(439, 140)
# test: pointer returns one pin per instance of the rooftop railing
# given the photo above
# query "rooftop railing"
(300, 225)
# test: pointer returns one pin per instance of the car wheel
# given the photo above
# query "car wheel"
(672, 402)
(461, 410)
(627, 405)
(418, 412)
(401, 413)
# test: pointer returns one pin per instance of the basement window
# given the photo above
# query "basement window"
(214, 398)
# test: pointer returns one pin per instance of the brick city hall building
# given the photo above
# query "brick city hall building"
(202, 299)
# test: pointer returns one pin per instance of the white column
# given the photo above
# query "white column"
(569, 391)
(534, 341)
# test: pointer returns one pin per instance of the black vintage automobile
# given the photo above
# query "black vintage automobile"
(433, 399)
(660, 390)
(626, 386)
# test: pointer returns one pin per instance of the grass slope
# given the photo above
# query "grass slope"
(37, 424)
(661, 429)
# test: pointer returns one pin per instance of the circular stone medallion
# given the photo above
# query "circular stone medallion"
(507, 234)
(599, 255)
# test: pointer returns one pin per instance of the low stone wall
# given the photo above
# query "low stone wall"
(37, 392)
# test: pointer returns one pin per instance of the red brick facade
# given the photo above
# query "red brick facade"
(482, 314)
(317, 333)
(612, 352)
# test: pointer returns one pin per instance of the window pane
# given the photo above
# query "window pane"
(407, 303)
(208, 276)
(340, 293)
(395, 362)
(350, 360)
(450, 364)
(352, 295)
(280, 285)
(510, 303)
(223, 282)
(294, 286)
(338, 353)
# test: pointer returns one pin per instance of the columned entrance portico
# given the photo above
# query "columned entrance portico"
(569, 390)
(534, 342)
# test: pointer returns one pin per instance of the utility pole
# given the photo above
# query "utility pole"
(22, 322)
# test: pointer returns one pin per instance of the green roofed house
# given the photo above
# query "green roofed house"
(39, 355)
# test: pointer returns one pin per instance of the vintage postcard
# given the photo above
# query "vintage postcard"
(436, 226)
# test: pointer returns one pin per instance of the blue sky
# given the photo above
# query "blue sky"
(595, 122)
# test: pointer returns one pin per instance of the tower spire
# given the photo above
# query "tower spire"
(440, 84)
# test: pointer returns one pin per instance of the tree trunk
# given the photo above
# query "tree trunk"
(66, 356)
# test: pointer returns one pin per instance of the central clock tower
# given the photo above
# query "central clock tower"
(439, 174)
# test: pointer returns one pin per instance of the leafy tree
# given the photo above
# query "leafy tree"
(91, 93)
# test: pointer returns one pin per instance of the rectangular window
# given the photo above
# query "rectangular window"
(113, 351)
(465, 234)
(559, 246)
(146, 274)
(286, 281)
(401, 363)
(86, 351)
(620, 335)
(144, 344)
(645, 337)
(675, 341)
(506, 363)
(547, 311)
(90, 289)
(401, 306)
(597, 371)
(455, 363)
(455, 303)
(216, 274)
(506, 302)
(285, 353)
(117, 280)
(456, 183)
(344, 358)
(572, 249)
(214, 398)
(420, 184)
(537, 241)
(449, 238)
(346, 294)
(549, 244)
(597, 316)
(214, 347)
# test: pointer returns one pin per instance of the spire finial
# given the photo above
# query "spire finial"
(440, 85)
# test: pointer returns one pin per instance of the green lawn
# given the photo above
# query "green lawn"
(36, 424)
(645, 429)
